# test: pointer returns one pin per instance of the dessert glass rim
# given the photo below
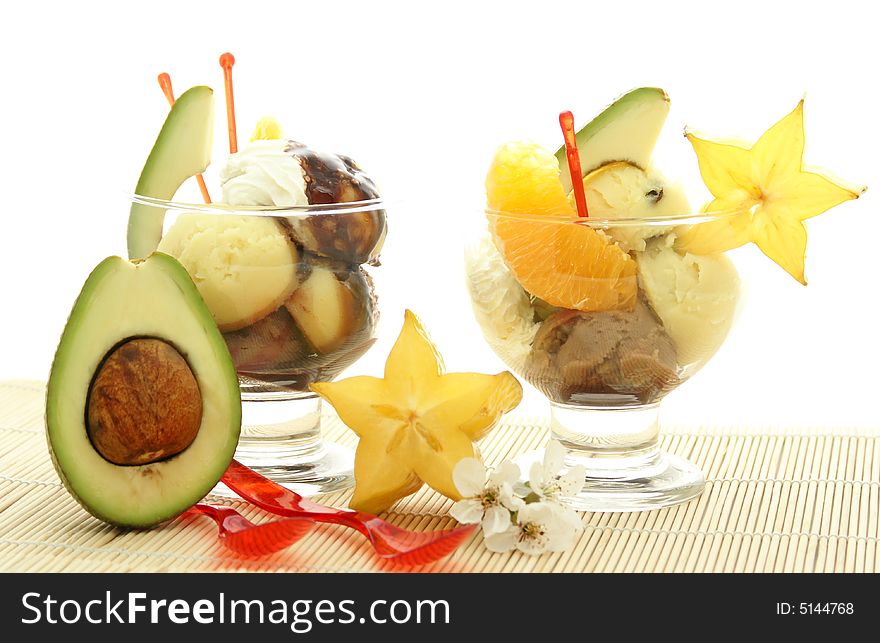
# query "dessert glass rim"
(685, 218)
(260, 210)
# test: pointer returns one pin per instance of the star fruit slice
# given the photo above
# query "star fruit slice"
(417, 422)
(767, 191)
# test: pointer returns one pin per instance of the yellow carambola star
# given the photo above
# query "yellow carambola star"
(417, 422)
(770, 191)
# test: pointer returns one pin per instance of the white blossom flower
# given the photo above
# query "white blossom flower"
(529, 516)
(544, 478)
(489, 502)
(539, 527)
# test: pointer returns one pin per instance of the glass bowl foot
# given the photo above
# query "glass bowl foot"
(329, 468)
(282, 440)
(619, 448)
(659, 480)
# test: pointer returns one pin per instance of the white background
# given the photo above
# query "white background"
(421, 96)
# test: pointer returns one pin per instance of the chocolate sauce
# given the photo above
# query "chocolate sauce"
(331, 178)
(355, 236)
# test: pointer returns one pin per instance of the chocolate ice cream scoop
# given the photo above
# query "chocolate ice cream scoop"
(355, 237)
(619, 356)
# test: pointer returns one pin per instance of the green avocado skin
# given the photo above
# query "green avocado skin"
(215, 370)
(52, 386)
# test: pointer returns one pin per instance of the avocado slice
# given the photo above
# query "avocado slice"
(143, 409)
(627, 130)
(182, 150)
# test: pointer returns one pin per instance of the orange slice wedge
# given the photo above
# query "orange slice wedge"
(567, 264)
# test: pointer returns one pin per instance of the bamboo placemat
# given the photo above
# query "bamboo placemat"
(786, 500)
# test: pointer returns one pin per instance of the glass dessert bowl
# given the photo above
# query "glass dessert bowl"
(591, 278)
(280, 260)
(618, 337)
(291, 289)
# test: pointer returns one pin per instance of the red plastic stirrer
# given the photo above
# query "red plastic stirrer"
(165, 84)
(566, 122)
(393, 543)
(243, 537)
(227, 60)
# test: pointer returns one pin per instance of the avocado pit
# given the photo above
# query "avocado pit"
(144, 403)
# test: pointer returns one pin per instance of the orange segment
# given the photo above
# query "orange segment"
(565, 264)
(524, 179)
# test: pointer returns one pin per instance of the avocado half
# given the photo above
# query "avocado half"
(143, 410)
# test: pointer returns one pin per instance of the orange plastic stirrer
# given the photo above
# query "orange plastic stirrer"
(227, 60)
(566, 122)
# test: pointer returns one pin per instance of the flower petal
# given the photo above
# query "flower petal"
(539, 512)
(561, 526)
(573, 480)
(495, 521)
(532, 546)
(467, 512)
(559, 538)
(554, 458)
(503, 542)
(469, 477)
(537, 478)
(507, 472)
(570, 517)
(509, 499)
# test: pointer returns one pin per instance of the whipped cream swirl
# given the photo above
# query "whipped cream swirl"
(263, 174)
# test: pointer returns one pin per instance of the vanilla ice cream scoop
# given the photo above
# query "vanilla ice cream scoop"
(245, 267)
(694, 296)
(501, 305)
(621, 190)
